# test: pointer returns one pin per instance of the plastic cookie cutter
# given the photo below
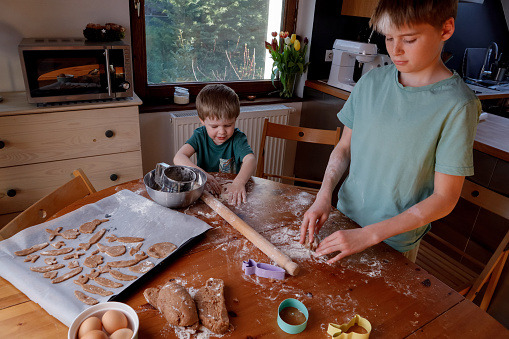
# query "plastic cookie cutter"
(340, 331)
(263, 270)
(291, 327)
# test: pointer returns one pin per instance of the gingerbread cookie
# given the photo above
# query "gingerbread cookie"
(82, 281)
(68, 275)
(135, 249)
(112, 251)
(142, 267)
(44, 269)
(89, 227)
(58, 244)
(127, 263)
(94, 275)
(75, 255)
(31, 250)
(32, 258)
(93, 261)
(60, 251)
(113, 238)
(95, 238)
(50, 260)
(50, 275)
(161, 250)
(73, 264)
(85, 298)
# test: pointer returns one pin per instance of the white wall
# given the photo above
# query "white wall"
(305, 18)
(50, 19)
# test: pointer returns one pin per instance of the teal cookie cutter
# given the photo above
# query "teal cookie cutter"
(288, 328)
(339, 331)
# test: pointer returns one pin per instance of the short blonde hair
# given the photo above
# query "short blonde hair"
(410, 12)
(217, 101)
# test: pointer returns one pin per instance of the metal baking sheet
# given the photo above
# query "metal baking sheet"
(129, 214)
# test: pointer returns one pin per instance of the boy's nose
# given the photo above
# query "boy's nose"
(397, 48)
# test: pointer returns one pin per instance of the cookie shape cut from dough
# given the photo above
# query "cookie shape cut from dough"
(113, 238)
(68, 275)
(175, 304)
(142, 267)
(85, 298)
(93, 261)
(94, 275)
(67, 234)
(161, 250)
(117, 274)
(112, 251)
(127, 263)
(89, 227)
(212, 306)
(31, 250)
(60, 251)
(95, 238)
(82, 281)
(32, 258)
(44, 269)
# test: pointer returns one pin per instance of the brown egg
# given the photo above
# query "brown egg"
(114, 320)
(95, 334)
(89, 324)
(123, 333)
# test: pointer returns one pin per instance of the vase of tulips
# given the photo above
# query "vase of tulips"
(288, 54)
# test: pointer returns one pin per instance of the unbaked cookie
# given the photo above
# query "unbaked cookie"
(89, 227)
(161, 250)
(85, 298)
(112, 251)
(31, 250)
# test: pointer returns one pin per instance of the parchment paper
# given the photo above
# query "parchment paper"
(129, 214)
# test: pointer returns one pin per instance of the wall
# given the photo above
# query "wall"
(477, 25)
(49, 18)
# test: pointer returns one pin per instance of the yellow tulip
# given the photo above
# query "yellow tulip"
(293, 38)
(296, 45)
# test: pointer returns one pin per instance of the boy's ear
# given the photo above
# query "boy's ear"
(202, 123)
(447, 29)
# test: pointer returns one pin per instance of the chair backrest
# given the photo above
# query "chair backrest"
(39, 212)
(310, 135)
(495, 203)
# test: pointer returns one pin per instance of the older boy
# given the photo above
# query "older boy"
(219, 146)
(408, 137)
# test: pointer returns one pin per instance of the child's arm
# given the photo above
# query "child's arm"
(446, 193)
(317, 214)
(182, 158)
(237, 190)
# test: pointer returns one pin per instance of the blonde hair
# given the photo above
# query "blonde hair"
(410, 12)
(217, 101)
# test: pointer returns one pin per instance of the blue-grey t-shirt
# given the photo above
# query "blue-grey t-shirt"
(401, 136)
(226, 157)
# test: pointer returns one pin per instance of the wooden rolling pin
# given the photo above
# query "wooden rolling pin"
(263, 244)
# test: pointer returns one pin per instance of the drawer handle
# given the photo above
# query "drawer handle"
(2, 144)
(109, 133)
(475, 194)
(113, 177)
(11, 193)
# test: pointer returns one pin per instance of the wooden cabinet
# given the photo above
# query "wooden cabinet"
(41, 146)
(362, 8)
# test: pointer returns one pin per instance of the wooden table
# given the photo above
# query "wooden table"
(399, 298)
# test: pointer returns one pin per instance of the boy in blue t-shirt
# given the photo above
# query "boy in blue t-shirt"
(219, 146)
(408, 137)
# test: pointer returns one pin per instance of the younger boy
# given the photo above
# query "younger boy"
(408, 137)
(219, 146)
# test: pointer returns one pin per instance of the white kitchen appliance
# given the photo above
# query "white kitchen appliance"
(351, 60)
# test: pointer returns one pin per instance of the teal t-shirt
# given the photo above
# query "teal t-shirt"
(226, 157)
(400, 137)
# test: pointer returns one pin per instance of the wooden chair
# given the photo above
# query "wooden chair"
(47, 206)
(454, 273)
(310, 135)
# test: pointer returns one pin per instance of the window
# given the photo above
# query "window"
(190, 43)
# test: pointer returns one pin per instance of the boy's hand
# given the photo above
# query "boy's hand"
(347, 242)
(212, 185)
(314, 218)
(236, 193)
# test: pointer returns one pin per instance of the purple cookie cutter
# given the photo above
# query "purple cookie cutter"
(263, 270)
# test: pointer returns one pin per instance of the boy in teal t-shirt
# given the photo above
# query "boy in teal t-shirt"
(219, 146)
(408, 137)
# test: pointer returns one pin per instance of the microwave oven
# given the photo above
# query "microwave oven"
(74, 69)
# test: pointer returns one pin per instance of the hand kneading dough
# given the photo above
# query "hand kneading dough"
(211, 306)
(175, 303)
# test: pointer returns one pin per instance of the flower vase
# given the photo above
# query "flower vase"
(288, 82)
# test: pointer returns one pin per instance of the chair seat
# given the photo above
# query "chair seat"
(448, 270)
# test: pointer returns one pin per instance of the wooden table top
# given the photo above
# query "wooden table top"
(398, 297)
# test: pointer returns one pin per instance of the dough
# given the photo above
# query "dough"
(85, 298)
(127, 263)
(161, 250)
(60, 251)
(113, 238)
(211, 306)
(44, 269)
(142, 267)
(89, 227)
(93, 261)
(50, 260)
(95, 238)
(31, 250)
(175, 303)
(82, 281)
(135, 249)
(32, 258)
(68, 275)
(112, 251)
(314, 245)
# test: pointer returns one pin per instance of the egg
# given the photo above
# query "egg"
(89, 324)
(123, 333)
(95, 334)
(114, 320)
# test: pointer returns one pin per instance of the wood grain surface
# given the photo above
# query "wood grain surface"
(399, 298)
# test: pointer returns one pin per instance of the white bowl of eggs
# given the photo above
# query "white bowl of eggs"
(109, 320)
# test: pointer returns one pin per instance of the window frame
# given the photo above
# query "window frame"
(151, 94)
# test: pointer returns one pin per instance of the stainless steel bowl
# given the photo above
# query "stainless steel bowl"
(175, 200)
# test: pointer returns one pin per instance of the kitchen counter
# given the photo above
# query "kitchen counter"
(492, 133)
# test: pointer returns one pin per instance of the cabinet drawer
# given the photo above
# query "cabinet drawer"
(36, 138)
(32, 182)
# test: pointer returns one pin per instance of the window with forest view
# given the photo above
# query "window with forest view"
(209, 40)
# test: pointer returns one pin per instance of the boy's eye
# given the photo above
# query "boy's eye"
(409, 41)
(388, 39)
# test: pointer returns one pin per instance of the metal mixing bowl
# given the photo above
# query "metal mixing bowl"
(175, 200)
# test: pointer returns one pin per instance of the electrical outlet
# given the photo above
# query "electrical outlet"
(328, 55)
